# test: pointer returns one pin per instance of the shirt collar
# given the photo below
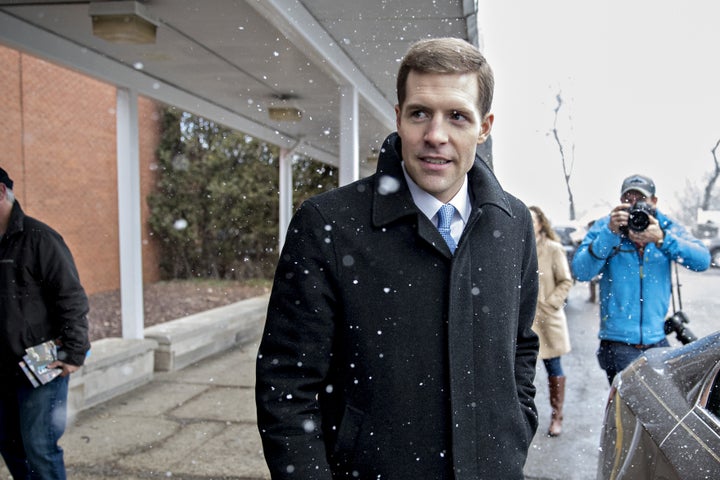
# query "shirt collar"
(429, 205)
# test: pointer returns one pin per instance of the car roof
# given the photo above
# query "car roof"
(669, 378)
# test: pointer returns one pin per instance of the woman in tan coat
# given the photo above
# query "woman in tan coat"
(550, 323)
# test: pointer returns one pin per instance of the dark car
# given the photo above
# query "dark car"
(568, 237)
(713, 245)
(663, 415)
(709, 233)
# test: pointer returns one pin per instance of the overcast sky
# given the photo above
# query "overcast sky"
(640, 81)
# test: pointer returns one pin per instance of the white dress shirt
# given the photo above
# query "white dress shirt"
(430, 205)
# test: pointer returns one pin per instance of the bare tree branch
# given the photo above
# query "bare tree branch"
(567, 172)
(713, 178)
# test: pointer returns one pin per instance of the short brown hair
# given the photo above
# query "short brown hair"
(447, 55)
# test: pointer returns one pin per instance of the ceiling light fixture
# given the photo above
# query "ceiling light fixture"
(372, 157)
(283, 109)
(284, 114)
(122, 22)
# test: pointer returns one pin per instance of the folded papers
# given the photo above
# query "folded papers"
(35, 363)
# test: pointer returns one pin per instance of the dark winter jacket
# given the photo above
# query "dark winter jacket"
(384, 356)
(40, 294)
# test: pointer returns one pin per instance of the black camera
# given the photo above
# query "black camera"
(640, 214)
(639, 217)
(676, 323)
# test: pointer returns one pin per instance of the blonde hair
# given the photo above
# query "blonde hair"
(545, 225)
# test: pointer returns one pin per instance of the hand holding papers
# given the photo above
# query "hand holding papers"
(35, 363)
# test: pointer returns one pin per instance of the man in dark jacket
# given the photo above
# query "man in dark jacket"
(41, 300)
(398, 342)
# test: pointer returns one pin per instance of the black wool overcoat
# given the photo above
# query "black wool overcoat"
(386, 357)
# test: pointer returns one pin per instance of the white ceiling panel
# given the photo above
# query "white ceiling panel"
(229, 59)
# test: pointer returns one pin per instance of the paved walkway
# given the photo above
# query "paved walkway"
(574, 454)
(196, 423)
(199, 422)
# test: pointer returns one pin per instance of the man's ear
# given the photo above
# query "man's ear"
(485, 128)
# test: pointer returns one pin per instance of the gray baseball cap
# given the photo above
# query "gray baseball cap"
(640, 183)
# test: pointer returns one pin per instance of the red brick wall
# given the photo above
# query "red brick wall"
(60, 129)
(149, 126)
(10, 116)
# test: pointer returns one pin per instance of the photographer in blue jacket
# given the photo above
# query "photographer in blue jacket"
(632, 250)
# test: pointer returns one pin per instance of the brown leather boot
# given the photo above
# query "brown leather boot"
(557, 398)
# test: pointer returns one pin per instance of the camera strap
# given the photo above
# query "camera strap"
(677, 287)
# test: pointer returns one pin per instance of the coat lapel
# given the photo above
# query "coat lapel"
(392, 200)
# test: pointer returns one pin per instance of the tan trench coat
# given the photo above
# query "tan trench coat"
(555, 282)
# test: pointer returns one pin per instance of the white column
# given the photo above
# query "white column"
(129, 217)
(349, 135)
(286, 194)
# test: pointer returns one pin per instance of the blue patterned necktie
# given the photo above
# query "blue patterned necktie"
(445, 216)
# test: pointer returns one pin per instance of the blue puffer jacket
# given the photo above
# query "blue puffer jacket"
(634, 290)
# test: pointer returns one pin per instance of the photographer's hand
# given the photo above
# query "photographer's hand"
(619, 218)
(652, 234)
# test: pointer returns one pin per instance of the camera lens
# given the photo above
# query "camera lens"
(639, 218)
(638, 221)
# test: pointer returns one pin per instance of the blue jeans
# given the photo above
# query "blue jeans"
(613, 357)
(553, 367)
(32, 420)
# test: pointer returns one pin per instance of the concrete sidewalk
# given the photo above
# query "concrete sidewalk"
(574, 454)
(195, 423)
(199, 422)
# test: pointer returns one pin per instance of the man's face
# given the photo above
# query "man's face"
(633, 196)
(440, 127)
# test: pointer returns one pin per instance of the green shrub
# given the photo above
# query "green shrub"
(215, 208)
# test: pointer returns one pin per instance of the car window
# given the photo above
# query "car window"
(564, 234)
(705, 230)
(713, 403)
